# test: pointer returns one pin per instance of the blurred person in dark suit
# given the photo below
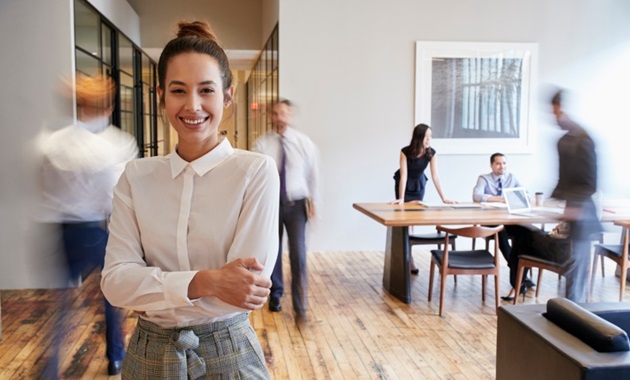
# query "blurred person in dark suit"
(577, 183)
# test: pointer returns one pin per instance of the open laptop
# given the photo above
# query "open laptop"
(517, 201)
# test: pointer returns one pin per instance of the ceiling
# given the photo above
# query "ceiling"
(237, 24)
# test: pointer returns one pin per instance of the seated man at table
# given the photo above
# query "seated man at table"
(489, 188)
(532, 241)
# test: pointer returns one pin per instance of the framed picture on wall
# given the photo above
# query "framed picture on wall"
(476, 96)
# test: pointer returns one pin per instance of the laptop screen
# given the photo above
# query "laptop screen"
(516, 199)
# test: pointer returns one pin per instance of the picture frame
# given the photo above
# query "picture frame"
(477, 97)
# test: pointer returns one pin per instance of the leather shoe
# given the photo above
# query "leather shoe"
(114, 367)
(301, 320)
(529, 283)
(274, 304)
(524, 289)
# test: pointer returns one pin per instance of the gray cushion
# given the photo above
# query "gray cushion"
(593, 330)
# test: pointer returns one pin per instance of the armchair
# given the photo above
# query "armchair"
(555, 341)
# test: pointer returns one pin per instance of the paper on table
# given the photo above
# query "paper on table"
(494, 204)
(449, 205)
(434, 205)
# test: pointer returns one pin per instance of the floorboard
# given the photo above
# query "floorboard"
(356, 330)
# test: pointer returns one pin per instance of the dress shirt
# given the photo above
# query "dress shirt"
(80, 167)
(301, 161)
(488, 185)
(172, 219)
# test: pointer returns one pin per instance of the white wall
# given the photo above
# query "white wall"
(350, 67)
(38, 50)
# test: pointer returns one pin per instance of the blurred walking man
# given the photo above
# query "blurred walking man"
(577, 182)
(296, 157)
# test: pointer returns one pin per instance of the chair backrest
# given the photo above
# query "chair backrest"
(472, 231)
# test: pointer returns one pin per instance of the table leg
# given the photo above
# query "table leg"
(396, 275)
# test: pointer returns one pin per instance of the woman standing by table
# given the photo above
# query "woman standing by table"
(410, 180)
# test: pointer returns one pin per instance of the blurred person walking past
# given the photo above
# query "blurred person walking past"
(296, 159)
(81, 165)
(577, 182)
(193, 235)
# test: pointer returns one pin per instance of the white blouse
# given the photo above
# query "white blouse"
(172, 218)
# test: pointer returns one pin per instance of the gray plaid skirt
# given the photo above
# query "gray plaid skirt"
(222, 350)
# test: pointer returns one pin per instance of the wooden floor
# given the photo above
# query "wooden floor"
(356, 330)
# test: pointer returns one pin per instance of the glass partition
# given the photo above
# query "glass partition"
(262, 90)
(87, 29)
(102, 49)
(127, 98)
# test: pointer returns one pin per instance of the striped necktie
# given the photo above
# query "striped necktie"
(283, 172)
(500, 187)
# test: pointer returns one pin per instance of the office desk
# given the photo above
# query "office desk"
(397, 219)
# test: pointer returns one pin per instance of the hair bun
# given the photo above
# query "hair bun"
(196, 28)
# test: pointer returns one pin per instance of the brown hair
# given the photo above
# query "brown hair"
(496, 155)
(196, 36)
(417, 138)
(556, 99)
(286, 102)
(95, 92)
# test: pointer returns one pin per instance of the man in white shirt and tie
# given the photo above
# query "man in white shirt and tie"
(489, 188)
(296, 157)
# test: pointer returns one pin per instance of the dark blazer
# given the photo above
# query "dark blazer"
(577, 177)
(577, 180)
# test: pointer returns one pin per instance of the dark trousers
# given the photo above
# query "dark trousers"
(84, 246)
(293, 217)
(504, 241)
(532, 241)
(582, 231)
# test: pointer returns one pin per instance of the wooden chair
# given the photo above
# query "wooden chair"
(617, 253)
(436, 238)
(429, 239)
(471, 262)
(526, 261)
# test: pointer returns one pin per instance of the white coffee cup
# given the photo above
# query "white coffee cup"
(539, 199)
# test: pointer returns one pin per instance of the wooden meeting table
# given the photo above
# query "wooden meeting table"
(399, 217)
